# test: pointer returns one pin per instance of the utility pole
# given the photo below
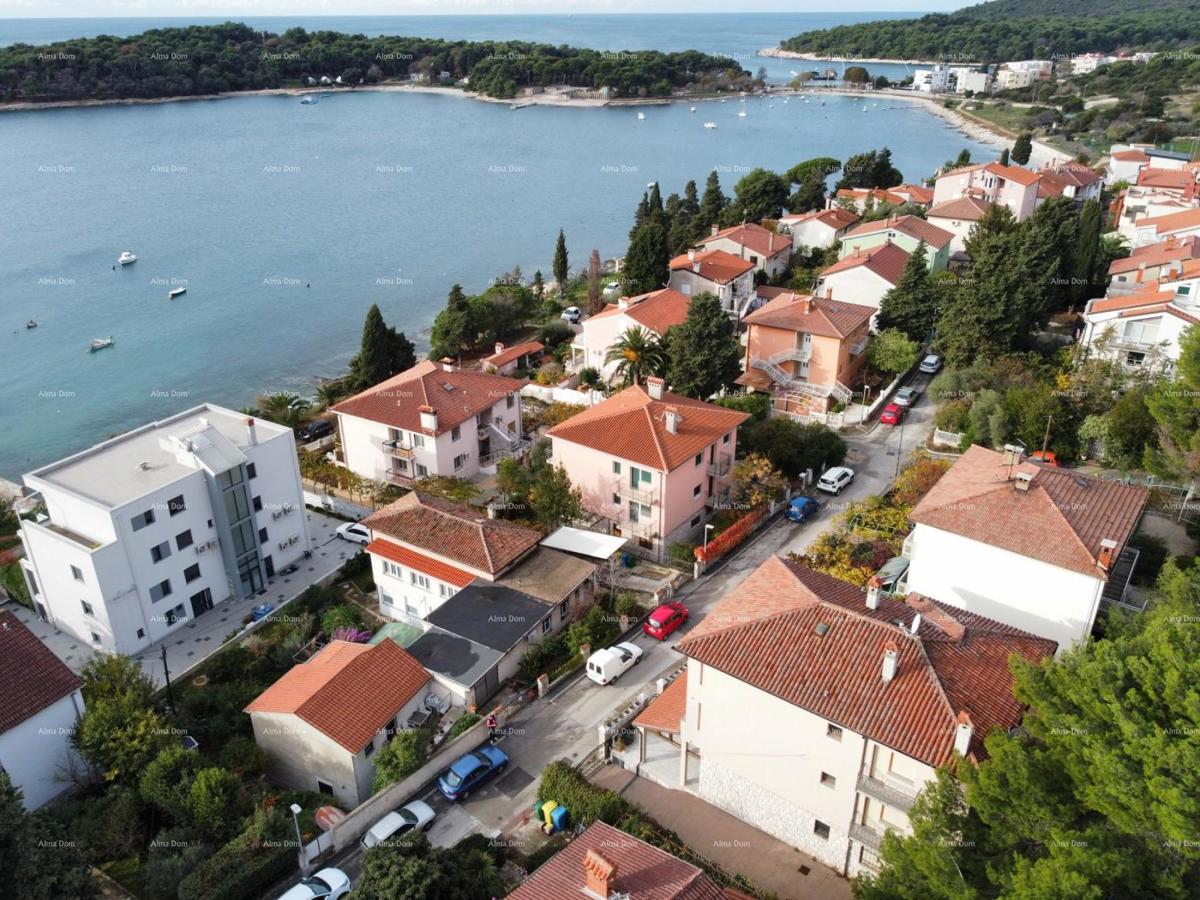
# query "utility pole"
(899, 446)
(167, 675)
(1046, 439)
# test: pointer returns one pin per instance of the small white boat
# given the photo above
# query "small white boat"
(127, 257)
(693, 109)
(31, 324)
(641, 115)
(864, 109)
(100, 344)
(710, 124)
(741, 114)
(175, 292)
(308, 101)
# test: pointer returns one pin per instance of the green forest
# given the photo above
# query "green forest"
(210, 59)
(1013, 29)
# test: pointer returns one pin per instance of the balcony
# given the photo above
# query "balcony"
(718, 500)
(889, 794)
(641, 495)
(398, 448)
(720, 468)
(868, 836)
(403, 479)
(858, 347)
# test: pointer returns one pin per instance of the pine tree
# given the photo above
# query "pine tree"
(640, 214)
(383, 353)
(712, 207)
(704, 352)
(997, 220)
(1175, 406)
(646, 262)
(1087, 252)
(454, 328)
(1022, 149)
(561, 270)
(909, 306)
(1045, 259)
(691, 203)
(539, 286)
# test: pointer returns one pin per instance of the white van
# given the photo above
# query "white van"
(606, 666)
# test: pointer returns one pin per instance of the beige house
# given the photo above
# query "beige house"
(768, 250)
(729, 277)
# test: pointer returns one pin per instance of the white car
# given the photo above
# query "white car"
(416, 816)
(572, 314)
(354, 532)
(606, 666)
(835, 480)
(328, 884)
(931, 364)
(612, 289)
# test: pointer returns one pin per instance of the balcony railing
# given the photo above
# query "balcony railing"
(868, 836)
(887, 793)
(641, 495)
(404, 479)
(720, 468)
(858, 347)
(398, 448)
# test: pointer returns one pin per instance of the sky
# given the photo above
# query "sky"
(203, 8)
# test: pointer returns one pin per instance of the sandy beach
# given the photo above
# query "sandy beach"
(780, 53)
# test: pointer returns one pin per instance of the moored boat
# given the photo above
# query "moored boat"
(175, 292)
(127, 257)
(100, 344)
(31, 324)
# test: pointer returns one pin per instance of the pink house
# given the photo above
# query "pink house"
(653, 464)
(655, 312)
(1009, 186)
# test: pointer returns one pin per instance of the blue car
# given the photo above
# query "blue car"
(801, 509)
(469, 772)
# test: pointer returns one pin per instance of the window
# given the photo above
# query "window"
(455, 432)
(445, 590)
(418, 440)
(564, 610)
(324, 787)
(160, 590)
(725, 439)
(421, 581)
(696, 491)
(411, 608)
(545, 624)
(459, 460)
(95, 638)
(616, 499)
(159, 552)
(696, 519)
(176, 505)
(87, 608)
(833, 731)
(510, 401)
(141, 520)
(869, 858)
(422, 470)
(828, 780)
(175, 615)
(616, 467)
(257, 504)
(370, 748)
(251, 470)
(385, 598)
(141, 633)
(821, 830)
(262, 535)
(699, 458)
(183, 539)
(191, 573)
(77, 573)
(390, 568)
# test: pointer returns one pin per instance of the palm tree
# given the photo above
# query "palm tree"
(284, 408)
(638, 354)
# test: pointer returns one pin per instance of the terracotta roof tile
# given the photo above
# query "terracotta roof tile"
(665, 712)
(1157, 254)
(31, 676)
(1013, 173)
(715, 265)
(1171, 222)
(456, 396)
(657, 310)
(755, 238)
(913, 226)
(1148, 296)
(836, 218)
(918, 193)
(348, 692)
(454, 531)
(434, 568)
(630, 425)
(880, 195)
(1170, 179)
(1168, 308)
(1072, 173)
(887, 262)
(1061, 519)
(806, 314)
(508, 354)
(967, 209)
(1131, 156)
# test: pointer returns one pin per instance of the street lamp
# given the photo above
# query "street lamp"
(707, 529)
(299, 840)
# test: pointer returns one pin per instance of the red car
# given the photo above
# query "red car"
(664, 620)
(891, 415)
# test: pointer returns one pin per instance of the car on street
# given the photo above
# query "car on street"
(664, 620)
(906, 396)
(931, 364)
(415, 816)
(801, 509)
(1046, 458)
(835, 480)
(605, 666)
(470, 771)
(261, 611)
(354, 532)
(612, 289)
(892, 414)
(314, 430)
(572, 315)
(328, 884)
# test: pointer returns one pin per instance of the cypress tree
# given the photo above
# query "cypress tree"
(646, 261)
(1087, 252)
(383, 352)
(1004, 157)
(561, 270)
(712, 206)
(908, 307)
(1022, 149)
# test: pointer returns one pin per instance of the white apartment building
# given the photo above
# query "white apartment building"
(1143, 329)
(971, 81)
(155, 527)
(932, 81)
(1009, 186)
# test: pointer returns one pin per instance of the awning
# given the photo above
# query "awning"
(665, 712)
(581, 542)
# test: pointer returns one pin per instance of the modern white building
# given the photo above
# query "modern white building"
(155, 527)
(932, 81)
(40, 704)
(1143, 329)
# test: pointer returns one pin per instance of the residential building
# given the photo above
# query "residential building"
(914, 194)
(1073, 180)
(1138, 203)
(730, 277)
(932, 81)
(654, 313)
(1151, 262)
(1142, 330)
(651, 464)
(818, 229)
(432, 419)
(865, 696)
(1034, 547)
(1009, 186)
(1086, 63)
(323, 721)
(958, 217)
(1012, 76)
(604, 863)
(506, 360)
(1126, 161)
(805, 350)
(906, 232)
(862, 200)
(864, 277)
(972, 81)
(1179, 225)
(40, 705)
(769, 251)
(153, 528)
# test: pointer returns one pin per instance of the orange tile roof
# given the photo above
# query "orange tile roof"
(31, 677)
(966, 209)
(1168, 308)
(348, 692)
(765, 633)
(1061, 519)
(1013, 173)
(665, 712)
(878, 194)
(657, 310)
(1158, 254)
(836, 218)
(454, 531)
(1171, 179)
(1147, 296)
(809, 315)
(1072, 173)
(631, 425)
(754, 237)
(1171, 222)
(1131, 156)
(434, 568)
(715, 265)
(456, 396)
(918, 193)
(508, 354)
(887, 262)
(913, 226)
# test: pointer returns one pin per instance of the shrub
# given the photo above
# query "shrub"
(400, 757)
(498, 851)
(215, 801)
(342, 615)
(627, 605)
(596, 629)
(554, 333)
(357, 564)
(917, 480)
(242, 755)
(545, 852)
(539, 658)
(173, 855)
(465, 721)
(757, 404)
(550, 373)
(953, 415)
(585, 802)
(569, 666)
(249, 865)
(557, 413)
(167, 780)
(683, 553)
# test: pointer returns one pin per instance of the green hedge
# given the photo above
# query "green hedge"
(585, 802)
(241, 870)
(465, 721)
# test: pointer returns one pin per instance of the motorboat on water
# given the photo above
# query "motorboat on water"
(175, 292)
(710, 124)
(100, 344)
(126, 257)
(741, 114)
(31, 324)
(308, 101)
(641, 115)
(692, 109)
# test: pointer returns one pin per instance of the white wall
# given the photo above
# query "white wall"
(35, 752)
(857, 285)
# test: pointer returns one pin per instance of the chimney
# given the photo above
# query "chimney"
(691, 254)
(429, 418)
(671, 417)
(915, 625)
(873, 586)
(1023, 481)
(623, 303)
(963, 732)
(1107, 548)
(654, 387)
(251, 434)
(600, 874)
(715, 228)
(696, 267)
(891, 660)
(805, 301)
(499, 346)
(1012, 454)
(448, 364)
(936, 616)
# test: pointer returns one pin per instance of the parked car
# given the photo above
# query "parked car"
(470, 771)
(665, 619)
(415, 816)
(572, 314)
(328, 884)
(354, 532)
(607, 665)
(835, 480)
(261, 611)
(931, 364)
(612, 289)
(801, 509)
(314, 430)
(892, 414)
(906, 396)
(1045, 457)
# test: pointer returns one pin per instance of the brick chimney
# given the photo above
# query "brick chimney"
(251, 434)
(1107, 548)
(600, 875)
(938, 617)
(805, 303)
(429, 418)
(963, 732)
(691, 254)
(715, 229)
(654, 387)
(891, 661)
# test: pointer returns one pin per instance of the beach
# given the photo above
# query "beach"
(780, 53)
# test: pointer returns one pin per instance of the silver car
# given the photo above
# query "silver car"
(906, 396)
(416, 816)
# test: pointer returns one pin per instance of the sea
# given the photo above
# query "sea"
(285, 221)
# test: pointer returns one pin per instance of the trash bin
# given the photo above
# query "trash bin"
(559, 819)
(547, 811)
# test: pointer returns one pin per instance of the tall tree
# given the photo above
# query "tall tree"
(638, 354)
(872, 169)
(997, 219)
(561, 268)
(383, 352)
(759, 194)
(1175, 406)
(554, 498)
(40, 860)
(704, 352)
(655, 202)
(1022, 149)
(454, 328)
(1004, 157)
(1045, 259)
(909, 306)
(1085, 281)
(539, 286)
(647, 260)
(594, 299)
(712, 206)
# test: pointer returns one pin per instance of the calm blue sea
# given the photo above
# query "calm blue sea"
(286, 222)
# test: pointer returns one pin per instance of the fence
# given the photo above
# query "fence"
(950, 439)
(548, 394)
(335, 504)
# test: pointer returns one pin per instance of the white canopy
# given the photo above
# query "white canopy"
(592, 544)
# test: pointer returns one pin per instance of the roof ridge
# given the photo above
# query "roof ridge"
(658, 447)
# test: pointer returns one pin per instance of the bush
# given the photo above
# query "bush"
(249, 865)
(557, 413)
(539, 856)
(554, 333)
(596, 629)
(1153, 555)
(546, 653)
(242, 755)
(215, 801)
(569, 666)
(584, 801)
(359, 563)
(683, 554)
(112, 825)
(173, 855)
(400, 757)
(342, 615)
(482, 844)
(757, 404)
(465, 721)
(953, 415)
(627, 605)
